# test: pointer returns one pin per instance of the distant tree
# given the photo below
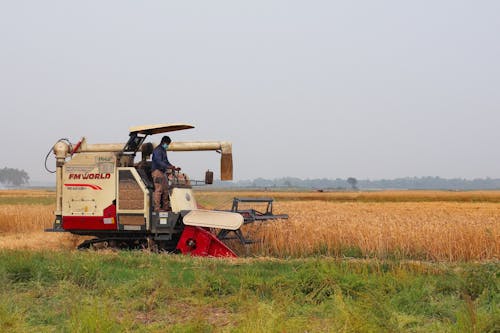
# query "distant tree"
(15, 177)
(353, 182)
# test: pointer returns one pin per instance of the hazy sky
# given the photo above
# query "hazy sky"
(310, 89)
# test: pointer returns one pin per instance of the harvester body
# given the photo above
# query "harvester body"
(102, 192)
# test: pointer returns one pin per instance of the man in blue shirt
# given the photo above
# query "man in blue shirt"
(159, 167)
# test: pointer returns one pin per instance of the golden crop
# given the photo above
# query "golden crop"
(421, 225)
(431, 225)
(22, 227)
(431, 231)
(25, 218)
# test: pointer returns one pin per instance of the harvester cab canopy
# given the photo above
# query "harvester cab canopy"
(138, 134)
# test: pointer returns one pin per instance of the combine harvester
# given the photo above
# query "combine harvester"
(102, 192)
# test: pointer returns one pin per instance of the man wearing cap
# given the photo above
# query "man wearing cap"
(159, 167)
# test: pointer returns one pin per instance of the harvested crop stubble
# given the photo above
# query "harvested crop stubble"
(431, 231)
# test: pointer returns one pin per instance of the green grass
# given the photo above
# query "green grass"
(27, 200)
(144, 292)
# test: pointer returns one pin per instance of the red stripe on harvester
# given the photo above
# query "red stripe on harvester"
(94, 187)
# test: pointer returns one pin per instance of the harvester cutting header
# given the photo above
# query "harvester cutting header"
(102, 191)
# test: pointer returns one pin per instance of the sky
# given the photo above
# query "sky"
(308, 89)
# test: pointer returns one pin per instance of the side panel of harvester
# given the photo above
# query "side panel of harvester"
(133, 201)
(89, 192)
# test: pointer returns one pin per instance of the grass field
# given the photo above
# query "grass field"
(143, 292)
(343, 262)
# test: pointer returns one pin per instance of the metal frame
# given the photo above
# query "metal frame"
(134, 143)
(250, 216)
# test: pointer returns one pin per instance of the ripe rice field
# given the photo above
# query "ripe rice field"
(423, 225)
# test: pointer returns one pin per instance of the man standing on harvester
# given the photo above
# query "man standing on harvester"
(160, 165)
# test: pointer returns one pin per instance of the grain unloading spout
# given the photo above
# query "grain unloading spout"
(223, 147)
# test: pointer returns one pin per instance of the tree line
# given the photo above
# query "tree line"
(13, 177)
(351, 183)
